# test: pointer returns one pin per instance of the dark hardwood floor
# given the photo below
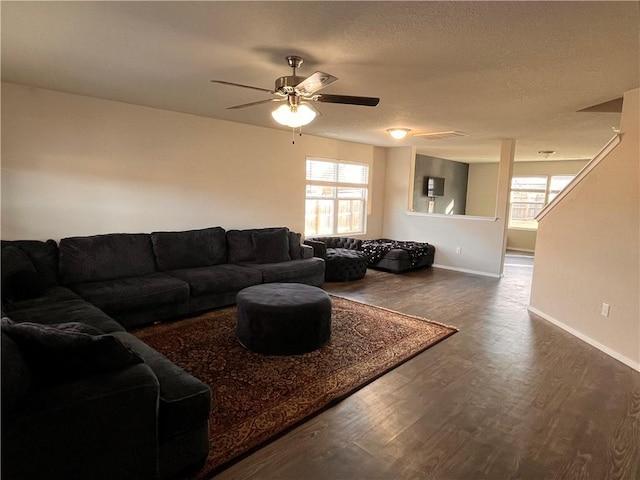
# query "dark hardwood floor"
(508, 396)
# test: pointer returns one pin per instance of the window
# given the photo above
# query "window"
(529, 195)
(336, 201)
(557, 184)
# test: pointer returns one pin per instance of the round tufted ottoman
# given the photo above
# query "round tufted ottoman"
(344, 264)
(283, 318)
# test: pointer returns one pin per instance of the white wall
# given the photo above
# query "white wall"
(75, 165)
(587, 250)
(480, 240)
(481, 189)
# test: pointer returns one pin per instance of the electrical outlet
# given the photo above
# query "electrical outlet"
(605, 310)
(459, 250)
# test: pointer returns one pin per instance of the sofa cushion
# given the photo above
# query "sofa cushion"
(16, 374)
(68, 350)
(185, 401)
(105, 257)
(271, 246)
(60, 305)
(44, 256)
(135, 293)
(240, 244)
(218, 278)
(19, 276)
(291, 271)
(192, 248)
(48, 296)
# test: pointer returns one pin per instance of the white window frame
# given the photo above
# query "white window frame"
(336, 199)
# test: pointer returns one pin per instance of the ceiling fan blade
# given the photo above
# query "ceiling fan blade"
(348, 99)
(315, 82)
(240, 85)
(244, 105)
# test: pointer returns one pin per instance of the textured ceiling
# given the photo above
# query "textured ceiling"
(489, 69)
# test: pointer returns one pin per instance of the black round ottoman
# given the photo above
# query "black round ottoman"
(343, 264)
(283, 318)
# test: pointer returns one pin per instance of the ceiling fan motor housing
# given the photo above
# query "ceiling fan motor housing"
(287, 84)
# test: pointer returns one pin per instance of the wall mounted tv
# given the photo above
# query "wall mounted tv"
(434, 186)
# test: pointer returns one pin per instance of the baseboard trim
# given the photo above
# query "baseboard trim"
(465, 270)
(603, 348)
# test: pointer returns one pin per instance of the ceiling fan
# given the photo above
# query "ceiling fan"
(298, 92)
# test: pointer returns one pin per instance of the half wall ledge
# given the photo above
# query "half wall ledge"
(457, 217)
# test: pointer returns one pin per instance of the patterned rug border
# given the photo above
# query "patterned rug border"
(326, 393)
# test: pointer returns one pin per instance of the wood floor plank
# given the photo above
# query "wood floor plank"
(508, 396)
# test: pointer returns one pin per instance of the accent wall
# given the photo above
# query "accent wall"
(455, 175)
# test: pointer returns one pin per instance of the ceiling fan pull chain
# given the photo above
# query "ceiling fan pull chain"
(293, 136)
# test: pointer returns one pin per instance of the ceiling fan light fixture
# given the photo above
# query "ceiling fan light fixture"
(293, 116)
(398, 133)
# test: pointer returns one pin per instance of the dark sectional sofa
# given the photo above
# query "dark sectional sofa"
(82, 397)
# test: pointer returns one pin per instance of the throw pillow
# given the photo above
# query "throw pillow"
(44, 256)
(19, 276)
(68, 351)
(271, 247)
(239, 246)
(295, 251)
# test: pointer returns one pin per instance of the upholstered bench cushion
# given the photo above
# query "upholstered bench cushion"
(345, 264)
(395, 259)
(283, 318)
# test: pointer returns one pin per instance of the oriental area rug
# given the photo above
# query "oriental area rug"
(256, 398)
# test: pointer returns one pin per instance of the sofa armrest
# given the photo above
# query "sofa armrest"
(319, 248)
(103, 426)
(306, 251)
